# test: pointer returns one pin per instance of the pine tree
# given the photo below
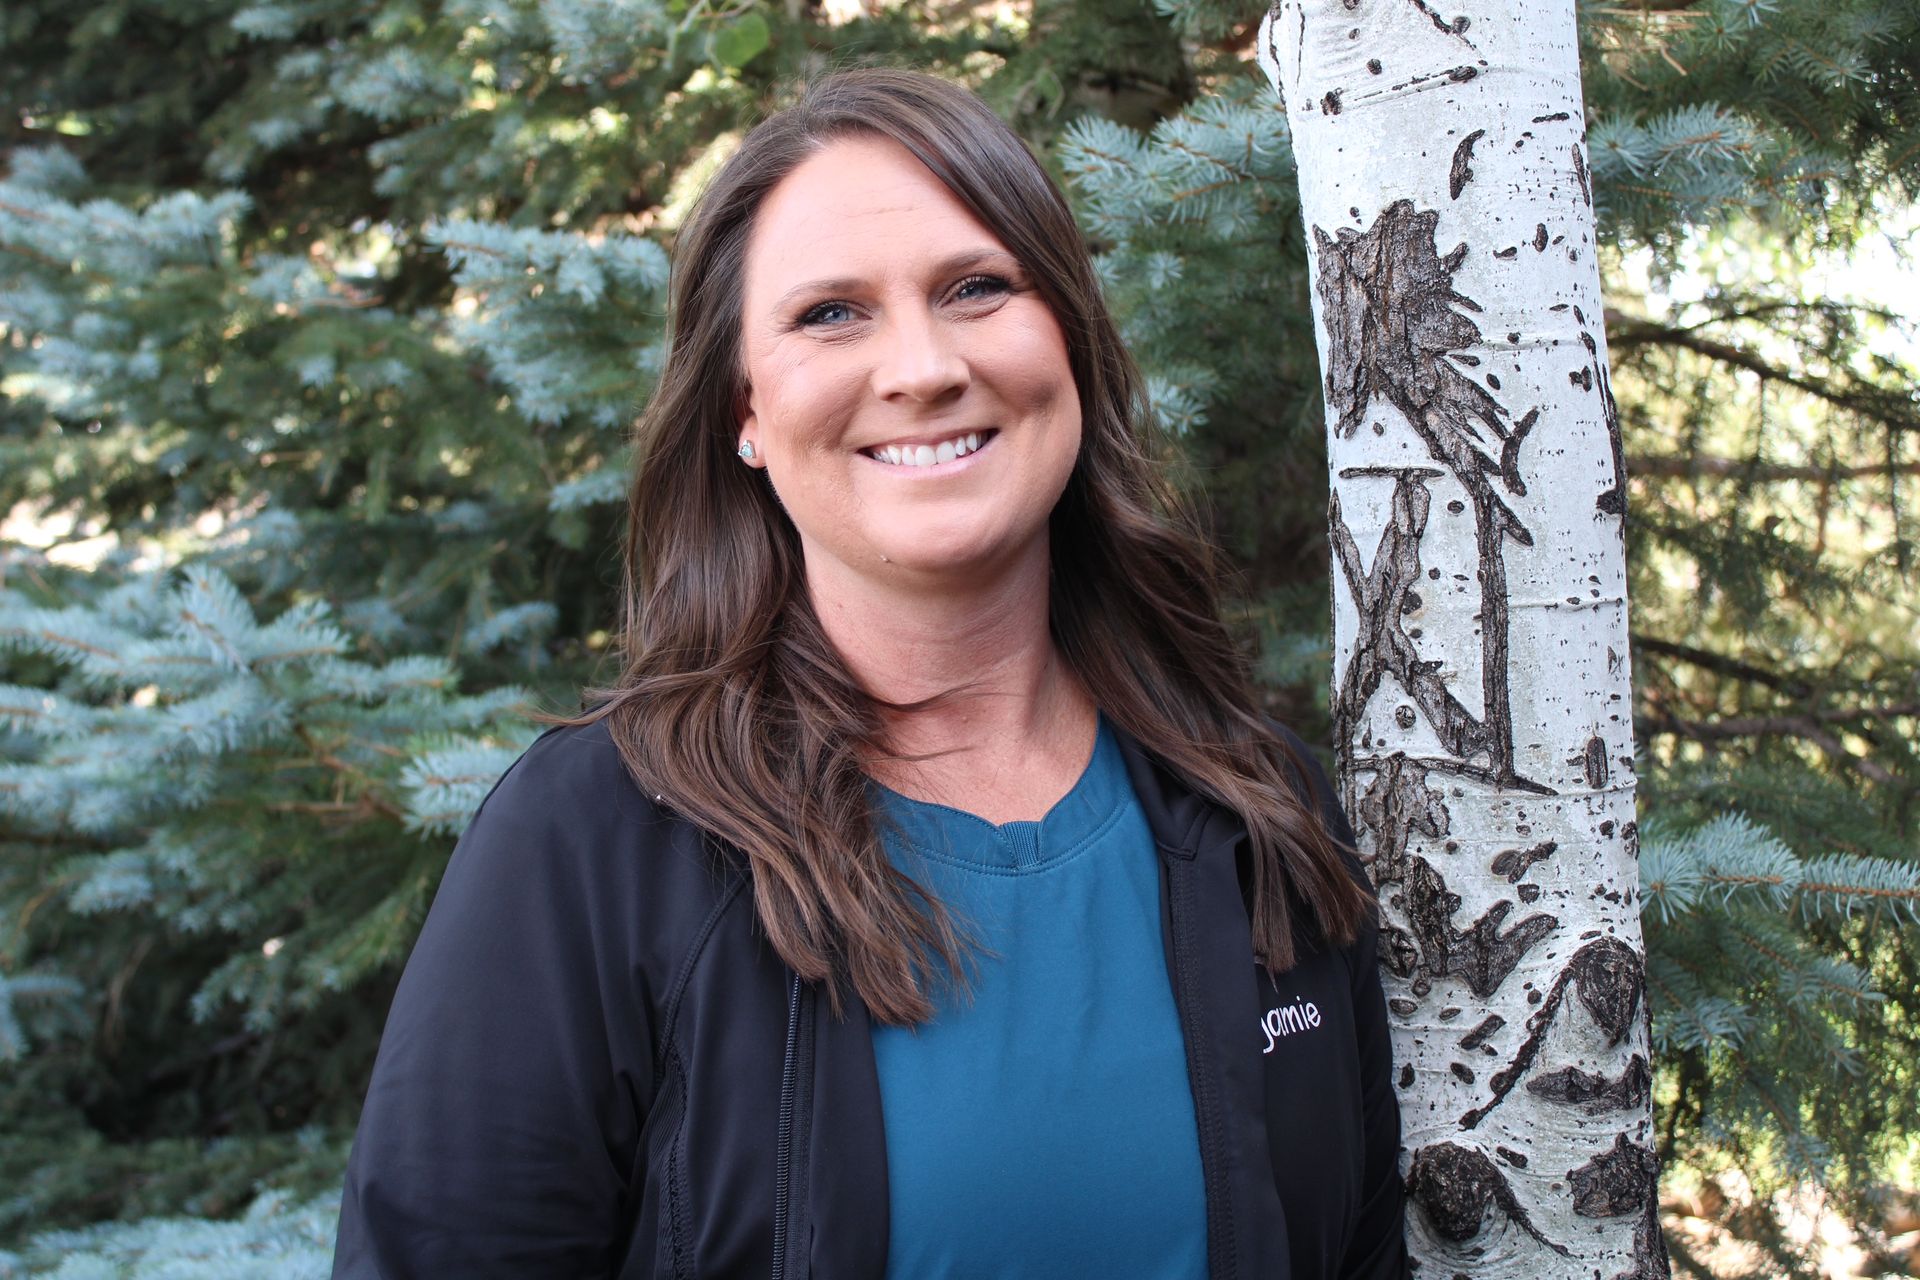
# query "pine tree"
(330, 318)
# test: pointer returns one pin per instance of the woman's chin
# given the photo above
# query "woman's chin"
(960, 560)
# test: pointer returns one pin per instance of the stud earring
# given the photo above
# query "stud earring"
(746, 450)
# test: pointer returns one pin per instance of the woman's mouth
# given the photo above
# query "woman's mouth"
(931, 453)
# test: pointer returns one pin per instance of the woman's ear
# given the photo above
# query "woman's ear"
(747, 440)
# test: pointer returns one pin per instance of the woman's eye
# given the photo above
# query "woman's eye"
(975, 288)
(826, 313)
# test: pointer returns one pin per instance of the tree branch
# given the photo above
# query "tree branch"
(1807, 726)
(1885, 406)
(1721, 664)
(1680, 467)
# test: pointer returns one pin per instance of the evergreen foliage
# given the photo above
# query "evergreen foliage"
(331, 317)
(274, 1239)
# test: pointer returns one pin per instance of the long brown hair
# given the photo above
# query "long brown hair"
(735, 707)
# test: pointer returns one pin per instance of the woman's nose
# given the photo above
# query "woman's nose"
(919, 360)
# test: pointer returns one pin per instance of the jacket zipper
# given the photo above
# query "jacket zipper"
(1189, 998)
(783, 1150)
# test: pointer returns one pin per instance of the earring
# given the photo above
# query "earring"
(746, 450)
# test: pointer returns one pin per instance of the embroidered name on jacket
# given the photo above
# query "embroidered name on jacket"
(1289, 1019)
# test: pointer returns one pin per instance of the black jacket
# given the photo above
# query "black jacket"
(595, 1066)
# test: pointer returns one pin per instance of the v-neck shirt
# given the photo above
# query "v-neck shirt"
(1044, 1125)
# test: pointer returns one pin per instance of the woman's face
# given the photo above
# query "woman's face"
(908, 389)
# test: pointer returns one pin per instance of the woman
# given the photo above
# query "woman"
(926, 899)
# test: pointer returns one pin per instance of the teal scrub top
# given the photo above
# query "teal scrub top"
(1045, 1126)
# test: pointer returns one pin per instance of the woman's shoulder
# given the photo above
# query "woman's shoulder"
(573, 775)
(569, 807)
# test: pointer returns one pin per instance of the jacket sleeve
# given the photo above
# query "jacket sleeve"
(496, 1138)
(1377, 1249)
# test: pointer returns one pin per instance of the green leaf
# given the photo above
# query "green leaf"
(740, 42)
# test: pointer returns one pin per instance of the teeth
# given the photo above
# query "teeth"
(927, 455)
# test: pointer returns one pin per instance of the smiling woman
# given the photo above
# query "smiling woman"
(927, 898)
(870, 392)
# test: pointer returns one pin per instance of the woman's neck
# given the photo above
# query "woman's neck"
(1018, 738)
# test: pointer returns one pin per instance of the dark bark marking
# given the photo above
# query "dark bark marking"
(1400, 955)
(1613, 502)
(1394, 806)
(1462, 1072)
(1514, 863)
(1392, 315)
(1623, 1182)
(1330, 104)
(1480, 1034)
(1458, 27)
(1582, 378)
(1580, 172)
(1512, 1157)
(1481, 955)
(1273, 46)
(1540, 238)
(1510, 450)
(1382, 646)
(1609, 980)
(1373, 65)
(1393, 318)
(1455, 1186)
(1528, 892)
(1461, 171)
(1460, 75)
(1406, 1075)
(1509, 252)
(1615, 1183)
(1596, 762)
(1596, 1093)
(1402, 1006)
(1558, 115)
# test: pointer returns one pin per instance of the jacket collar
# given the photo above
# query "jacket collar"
(1184, 822)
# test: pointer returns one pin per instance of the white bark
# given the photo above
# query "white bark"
(1481, 686)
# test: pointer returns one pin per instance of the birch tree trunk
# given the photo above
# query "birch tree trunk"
(1481, 686)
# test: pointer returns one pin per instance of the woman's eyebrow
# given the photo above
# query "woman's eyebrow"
(965, 260)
